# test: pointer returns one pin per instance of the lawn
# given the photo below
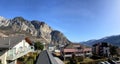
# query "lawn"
(88, 61)
(28, 59)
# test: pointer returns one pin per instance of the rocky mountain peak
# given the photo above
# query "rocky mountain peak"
(2, 18)
(4, 21)
(19, 19)
(59, 37)
(38, 24)
(37, 30)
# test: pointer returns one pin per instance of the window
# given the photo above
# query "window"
(32, 47)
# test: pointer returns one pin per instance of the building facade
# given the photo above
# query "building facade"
(101, 49)
(77, 49)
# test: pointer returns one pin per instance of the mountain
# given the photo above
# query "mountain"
(114, 40)
(36, 30)
(59, 37)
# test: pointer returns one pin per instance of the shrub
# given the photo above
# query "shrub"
(95, 57)
(21, 59)
(115, 59)
(73, 60)
(30, 61)
(80, 58)
(38, 46)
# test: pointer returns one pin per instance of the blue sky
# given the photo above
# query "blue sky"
(79, 20)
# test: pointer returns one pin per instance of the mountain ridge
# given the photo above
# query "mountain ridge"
(114, 40)
(37, 30)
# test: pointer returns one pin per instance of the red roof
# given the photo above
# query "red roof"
(73, 50)
(70, 50)
(28, 40)
(87, 49)
(77, 50)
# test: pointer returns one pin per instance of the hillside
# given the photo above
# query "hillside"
(114, 40)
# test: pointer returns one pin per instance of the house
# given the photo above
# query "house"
(87, 51)
(101, 49)
(14, 47)
(118, 51)
(77, 49)
(57, 52)
(51, 47)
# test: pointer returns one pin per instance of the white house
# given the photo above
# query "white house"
(12, 48)
(51, 47)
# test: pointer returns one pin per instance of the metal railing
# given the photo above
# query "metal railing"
(45, 57)
(20, 54)
(51, 58)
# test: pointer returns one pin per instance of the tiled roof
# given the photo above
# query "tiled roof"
(69, 46)
(9, 42)
(87, 49)
(72, 45)
(70, 50)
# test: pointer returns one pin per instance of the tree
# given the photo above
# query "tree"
(38, 46)
(73, 60)
(113, 50)
(0, 62)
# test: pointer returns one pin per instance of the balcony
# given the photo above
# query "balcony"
(21, 53)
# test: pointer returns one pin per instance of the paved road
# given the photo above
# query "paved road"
(43, 58)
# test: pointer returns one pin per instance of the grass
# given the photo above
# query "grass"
(66, 62)
(28, 59)
(88, 61)
(91, 61)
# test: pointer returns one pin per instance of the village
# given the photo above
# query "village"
(21, 50)
(59, 32)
